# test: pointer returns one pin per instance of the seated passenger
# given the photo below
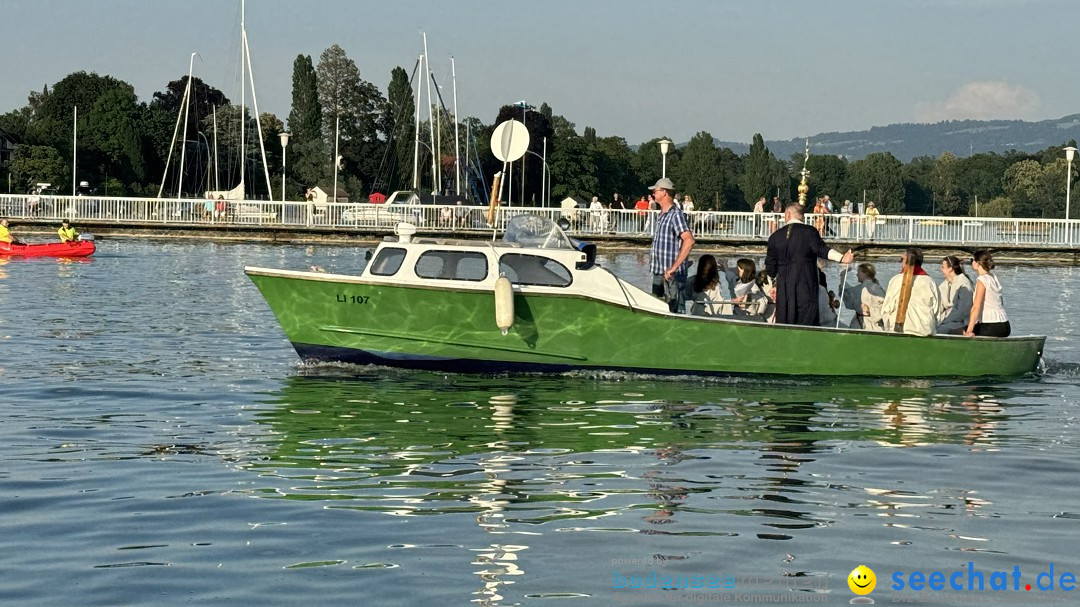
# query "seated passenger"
(988, 318)
(66, 232)
(865, 299)
(956, 293)
(6, 236)
(747, 291)
(705, 292)
(924, 302)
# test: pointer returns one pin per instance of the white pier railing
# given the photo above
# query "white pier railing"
(963, 232)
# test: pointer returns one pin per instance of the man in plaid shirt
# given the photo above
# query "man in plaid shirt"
(672, 241)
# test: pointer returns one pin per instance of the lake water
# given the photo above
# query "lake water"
(161, 445)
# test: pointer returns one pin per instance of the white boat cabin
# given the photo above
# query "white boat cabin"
(548, 264)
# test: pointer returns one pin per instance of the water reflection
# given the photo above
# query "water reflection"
(672, 462)
(551, 449)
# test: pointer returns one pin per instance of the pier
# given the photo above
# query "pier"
(349, 222)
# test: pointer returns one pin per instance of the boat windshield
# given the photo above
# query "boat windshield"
(534, 231)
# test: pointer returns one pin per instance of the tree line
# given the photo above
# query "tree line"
(340, 120)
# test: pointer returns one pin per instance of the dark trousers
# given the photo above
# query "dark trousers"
(993, 329)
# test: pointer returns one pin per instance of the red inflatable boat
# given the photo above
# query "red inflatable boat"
(74, 248)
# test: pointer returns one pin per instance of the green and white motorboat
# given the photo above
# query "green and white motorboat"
(537, 302)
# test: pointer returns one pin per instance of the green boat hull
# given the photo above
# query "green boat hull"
(352, 321)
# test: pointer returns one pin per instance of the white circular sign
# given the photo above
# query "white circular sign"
(510, 140)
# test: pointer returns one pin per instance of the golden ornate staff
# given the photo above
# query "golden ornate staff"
(803, 187)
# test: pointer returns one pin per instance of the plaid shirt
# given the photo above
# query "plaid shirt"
(667, 241)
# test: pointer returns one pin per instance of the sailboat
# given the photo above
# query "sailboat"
(247, 78)
(465, 177)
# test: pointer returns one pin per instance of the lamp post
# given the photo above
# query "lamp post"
(1069, 153)
(665, 144)
(284, 143)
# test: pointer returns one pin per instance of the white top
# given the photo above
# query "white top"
(993, 308)
(866, 299)
(703, 303)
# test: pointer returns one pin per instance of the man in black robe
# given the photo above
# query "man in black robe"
(791, 260)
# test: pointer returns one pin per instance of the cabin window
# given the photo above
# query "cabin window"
(388, 262)
(534, 270)
(452, 265)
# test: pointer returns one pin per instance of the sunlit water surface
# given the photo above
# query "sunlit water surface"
(162, 445)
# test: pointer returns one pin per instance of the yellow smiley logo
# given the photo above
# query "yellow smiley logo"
(862, 580)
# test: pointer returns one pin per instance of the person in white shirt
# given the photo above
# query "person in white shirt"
(988, 317)
(687, 204)
(924, 303)
(956, 294)
(706, 293)
(596, 209)
(865, 299)
(747, 291)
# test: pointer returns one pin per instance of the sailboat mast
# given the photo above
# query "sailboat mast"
(457, 141)
(217, 185)
(337, 138)
(431, 120)
(75, 149)
(243, 103)
(187, 109)
(258, 120)
(468, 137)
(416, 135)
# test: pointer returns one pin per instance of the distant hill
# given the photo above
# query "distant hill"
(906, 141)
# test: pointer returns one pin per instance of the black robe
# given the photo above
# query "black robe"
(791, 260)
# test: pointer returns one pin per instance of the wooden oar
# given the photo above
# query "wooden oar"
(905, 296)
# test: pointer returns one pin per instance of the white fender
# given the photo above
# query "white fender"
(504, 304)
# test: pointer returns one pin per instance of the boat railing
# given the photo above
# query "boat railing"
(719, 226)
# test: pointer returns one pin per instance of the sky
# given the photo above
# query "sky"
(630, 68)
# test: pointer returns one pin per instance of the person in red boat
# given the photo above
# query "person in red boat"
(6, 237)
(66, 232)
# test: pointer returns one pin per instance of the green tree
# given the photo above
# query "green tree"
(1037, 190)
(114, 132)
(981, 175)
(946, 199)
(305, 117)
(16, 122)
(699, 173)
(572, 170)
(879, 176)
(614, 170)
(828, 177)
(398, 125)
(918, 176)
(307, 151)
(38, 164)
(52, 119)
(757, 178)
(649, 162)
(780, 182)
(359, 104)
(1000, 206)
